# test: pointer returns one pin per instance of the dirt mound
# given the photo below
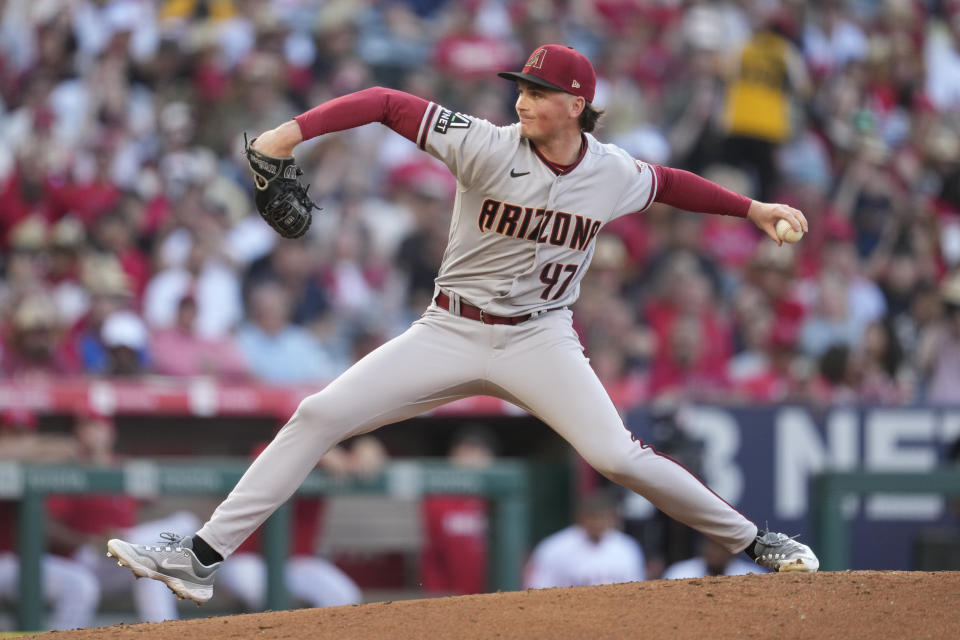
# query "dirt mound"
(853, 604)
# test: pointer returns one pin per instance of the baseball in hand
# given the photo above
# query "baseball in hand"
(786, 233)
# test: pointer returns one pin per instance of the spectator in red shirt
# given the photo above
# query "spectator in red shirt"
(182, 351)
(772, 270)
(454, 556)
(92, 195)
(694, 339)
(24, 194)
(731, 245)
(780, 378)
(467, 54)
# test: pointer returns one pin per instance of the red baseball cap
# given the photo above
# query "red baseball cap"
(558, 67)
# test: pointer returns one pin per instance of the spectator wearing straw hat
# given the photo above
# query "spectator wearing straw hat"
(34, 344)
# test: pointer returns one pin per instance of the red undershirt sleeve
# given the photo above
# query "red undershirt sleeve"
(400, 111)
(690, 192)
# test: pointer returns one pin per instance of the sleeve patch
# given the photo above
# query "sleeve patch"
(450, 120)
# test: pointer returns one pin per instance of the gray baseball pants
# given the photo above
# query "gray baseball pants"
(537, 365)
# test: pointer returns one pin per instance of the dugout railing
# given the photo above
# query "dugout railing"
(504, 484)
(830, 527)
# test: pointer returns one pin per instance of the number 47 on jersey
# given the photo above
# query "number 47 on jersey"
(550, 276)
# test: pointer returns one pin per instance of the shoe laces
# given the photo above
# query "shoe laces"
(170, 542)
(777, 540)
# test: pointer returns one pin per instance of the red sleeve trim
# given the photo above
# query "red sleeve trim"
(400, 111)
(690, 192)
(422, 142)
(654, 186)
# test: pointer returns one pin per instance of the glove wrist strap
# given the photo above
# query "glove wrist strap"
(270, 167)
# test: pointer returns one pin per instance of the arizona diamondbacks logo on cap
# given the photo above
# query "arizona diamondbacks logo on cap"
(536, 59)
(450, 120)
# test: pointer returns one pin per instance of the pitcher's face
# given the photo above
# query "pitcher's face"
(545, 113)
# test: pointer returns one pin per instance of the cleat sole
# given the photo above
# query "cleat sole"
(795, 568)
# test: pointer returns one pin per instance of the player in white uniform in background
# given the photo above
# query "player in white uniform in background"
(530, 200)
(591, 551)
(712, 560)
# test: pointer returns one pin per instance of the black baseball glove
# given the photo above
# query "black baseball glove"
(281, 199)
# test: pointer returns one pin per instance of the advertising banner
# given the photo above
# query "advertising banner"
(761, 460)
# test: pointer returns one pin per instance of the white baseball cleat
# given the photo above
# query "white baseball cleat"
(172, 562)
(780, 552)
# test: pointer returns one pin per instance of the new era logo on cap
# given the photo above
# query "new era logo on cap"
(558, 67)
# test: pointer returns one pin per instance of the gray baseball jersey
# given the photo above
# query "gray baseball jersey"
(522, 236)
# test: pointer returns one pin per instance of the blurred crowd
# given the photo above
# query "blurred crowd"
(130, 245)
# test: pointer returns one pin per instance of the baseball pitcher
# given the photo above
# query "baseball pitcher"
(531, 198)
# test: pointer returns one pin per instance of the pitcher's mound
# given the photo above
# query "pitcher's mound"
(857, 604)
